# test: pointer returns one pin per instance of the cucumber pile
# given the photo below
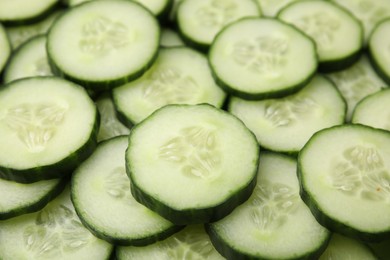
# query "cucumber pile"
(194, 129)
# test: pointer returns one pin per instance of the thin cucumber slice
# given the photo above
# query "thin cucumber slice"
(110, 126)
(199, 21)
(256, 58)
(270, 8)
(342, 247)
(25, 11)
(369, 12)
(192, 163)
(100, 193)
(274, 223)
(345, 180)
(180, 75)
(286, 124)
(337, 33)
(55, 232)
(378, 47)
(47, 127)
(29, 60)
(103, 44)
(190, 243)
(18, 198)
(5, 47)
(357, 82)
(374, 110)
(22, 33)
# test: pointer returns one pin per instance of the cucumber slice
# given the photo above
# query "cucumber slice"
(21, 33)
(190, 243)
(369, 12)
(338, 34)
(25, 11)
(286, 124)
(197, 169)
(29, 60)
(374, 110)
(55, 232)
(378, 47)
(357, 82)
(274, 223)
(110, 126)
(47, 127)
(180, 75)
(345, 180)
(5, 52)
(256, 58)
(199, 21)
(103, 44)
(100, 193)
(18, 199)
(342, 247)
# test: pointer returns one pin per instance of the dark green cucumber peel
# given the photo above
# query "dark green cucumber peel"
(58, 169)
(191, 216)
(289, 90)
(38, 205)
(141, 241)
(100, 86)
(341, 64)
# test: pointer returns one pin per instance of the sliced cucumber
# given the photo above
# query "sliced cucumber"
(342, 247)
(378, 47)
(103, 44)
(17, 198)
(337, 33)
(21, 33)
(29, 60)
(286, 124)
(345, 180)
(374, 110)
(197, 169)
(5, 46)
(25, 11)
(180, 75)
(190, 243)
(110, 126)
(55, 232)
(369, 12)
(256, 58)
(47, 127)
(199, 21)
(357, 82)
(274, 223)
(102, 199)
